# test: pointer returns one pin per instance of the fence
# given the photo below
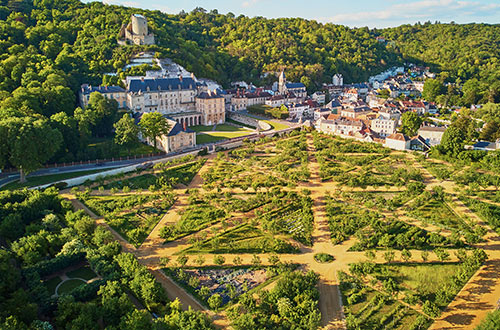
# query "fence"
(94, 161)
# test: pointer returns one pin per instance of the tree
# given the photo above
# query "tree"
(237, 261)
(200, 260)
(126, 132)
(491, 131)
(452, 142)
(105, 112)
(182, 260)
(432, 89)
(370, 254)
(153, 125)
(389, 256)
(256, 260)
(410, 123)
(442, 254)
(215, 301)
(219, 260)
(406, 255)
(28, 144)
(273, 259)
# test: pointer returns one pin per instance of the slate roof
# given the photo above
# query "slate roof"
(164, 84)
(485, 145)
(295, 85)
(88, 89)
(177, 128)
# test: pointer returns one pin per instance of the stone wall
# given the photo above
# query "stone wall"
(250, 121)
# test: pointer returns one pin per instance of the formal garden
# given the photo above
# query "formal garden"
(220, 286)
(404, 295)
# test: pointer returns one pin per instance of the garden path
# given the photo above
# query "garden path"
(471, 305)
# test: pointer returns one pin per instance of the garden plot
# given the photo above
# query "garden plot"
(69, 280)
(439, 213)
(365, 308)
(242, 239)
(226, 283)
(375, 231)
(133, 216)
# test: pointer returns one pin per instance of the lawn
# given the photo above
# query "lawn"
(46, 179)
(215, 136)
(218, 128)
(83, 272)
(439, 213)
(69, 285)
(105, 148)
(276, 126)
(51, 284)
(420, 279)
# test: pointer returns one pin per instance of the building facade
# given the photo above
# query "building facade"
(212, 107)
(116, 93)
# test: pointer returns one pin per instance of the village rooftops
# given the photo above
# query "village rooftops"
(88, 89)
(160, 84)
(432, 128)
(210, 95)
(398, 136)
(295, 85)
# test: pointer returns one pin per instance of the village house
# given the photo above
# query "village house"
(319, 97)
(398, 141)
(178, 138)
(383, 126)
(116, 93)
(299, 89)
(298, 110)
(355, 111)
(432, 134)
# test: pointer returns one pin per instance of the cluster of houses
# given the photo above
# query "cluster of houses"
(366, 111)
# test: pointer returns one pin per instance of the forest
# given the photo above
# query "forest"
(50, 47)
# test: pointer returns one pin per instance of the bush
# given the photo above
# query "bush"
(323, 257)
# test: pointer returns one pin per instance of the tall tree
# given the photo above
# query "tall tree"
(30, 143)
(126, 132)
(410, 123)
(452, 142)
(153, 125)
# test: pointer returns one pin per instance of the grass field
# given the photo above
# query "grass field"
(69, 285)
(422, 279)
(276, 126)
(84, 272)
(52, 284)
(46, 179)
(209, 137)
(439, 213)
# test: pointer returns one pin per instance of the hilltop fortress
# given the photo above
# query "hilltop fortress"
(136, 32)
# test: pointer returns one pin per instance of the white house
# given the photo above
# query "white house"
(398, 141)
(383, 126)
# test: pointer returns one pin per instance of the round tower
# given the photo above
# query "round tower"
(139, 25)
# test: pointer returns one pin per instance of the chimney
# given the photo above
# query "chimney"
(142, 79)
(184, 126)
(180, 78)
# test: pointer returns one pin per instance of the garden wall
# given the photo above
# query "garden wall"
(263, 126)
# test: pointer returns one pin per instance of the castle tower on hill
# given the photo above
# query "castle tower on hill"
(136, 32)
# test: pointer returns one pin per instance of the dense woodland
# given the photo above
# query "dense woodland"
(50, 47)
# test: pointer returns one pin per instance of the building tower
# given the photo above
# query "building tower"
(282, 82)
(139, 25)
(338, 80)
